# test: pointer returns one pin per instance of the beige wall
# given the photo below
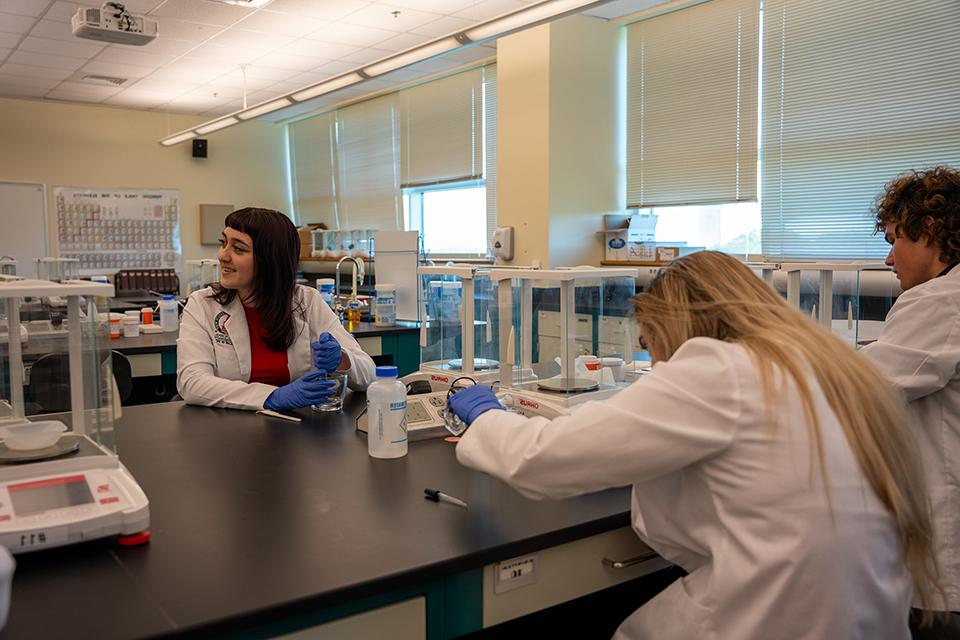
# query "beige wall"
(60, 144)
(560, 157)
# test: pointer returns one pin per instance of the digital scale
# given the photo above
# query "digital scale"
(426, 416)
(70, 492)
(76, 489)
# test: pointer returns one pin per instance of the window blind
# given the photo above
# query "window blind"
(692, 81)
(312, 165)
(367, 159)
(490, 146)
(853, 94)
(441, 125)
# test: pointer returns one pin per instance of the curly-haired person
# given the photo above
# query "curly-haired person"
(919, 350)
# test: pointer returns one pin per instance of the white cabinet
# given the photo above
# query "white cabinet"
(563, 573)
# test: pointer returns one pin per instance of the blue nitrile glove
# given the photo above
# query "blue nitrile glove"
(326, 353)
(472, 401)
(303, 392)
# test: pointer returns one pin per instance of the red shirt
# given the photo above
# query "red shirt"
(266, 365)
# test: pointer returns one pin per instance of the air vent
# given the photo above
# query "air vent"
(104, 81)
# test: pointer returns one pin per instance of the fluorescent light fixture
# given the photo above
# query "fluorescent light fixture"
(266, 107)
(327, 86)
(216, 125)
(524, 17)
(412, 56)
(180, 137)
(528, 16)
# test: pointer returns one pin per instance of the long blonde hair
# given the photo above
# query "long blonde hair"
(710, 294)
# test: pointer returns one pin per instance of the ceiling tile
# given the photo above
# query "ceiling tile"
(217, 53)
(310, 77)
(276, 74)
(117, 69)
(180, 30)
(213, 93)
(620, 8)
(7, 80)
(235, 80)
(434, 6)
(119, 53)
(168, 46)
(4, 53)
(79, 49)
(9, 40)
(55, 31)
(365, 55)
(24, 7)
(284, 61)
(22, 92)
(281, 23)
(402, 42)
(187, 70)
(487, 9)
(43, 60)
(318, 49)
(138, 99)
(61, 11)
(381, 16)
(10, 23)
(80, 89)
(280, 88)
(435, 65)
(322, 9)
(444, 26)
(352, 34)
(202, 12)
(335, 67)
(254, 40)
(30, 71)
(168, 88)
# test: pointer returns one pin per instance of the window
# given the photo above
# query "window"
(732, 228)
(428, 149)
(451, 218)
(852, 95)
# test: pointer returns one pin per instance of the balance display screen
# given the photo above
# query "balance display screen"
(44, 495)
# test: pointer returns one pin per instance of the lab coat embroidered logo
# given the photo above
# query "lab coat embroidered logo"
(220, 328)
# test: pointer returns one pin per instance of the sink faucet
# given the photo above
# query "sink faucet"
(357, 273)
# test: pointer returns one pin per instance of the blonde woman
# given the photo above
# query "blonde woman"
(767, 459)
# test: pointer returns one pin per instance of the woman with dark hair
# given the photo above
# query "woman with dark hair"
(257, 339)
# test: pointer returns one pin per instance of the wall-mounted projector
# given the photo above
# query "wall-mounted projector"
(113, 23)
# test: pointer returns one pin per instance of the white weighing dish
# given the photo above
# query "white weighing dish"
(26, 436)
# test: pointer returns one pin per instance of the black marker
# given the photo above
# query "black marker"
(438, 496)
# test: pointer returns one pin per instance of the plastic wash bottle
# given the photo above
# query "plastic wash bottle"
(387, 415)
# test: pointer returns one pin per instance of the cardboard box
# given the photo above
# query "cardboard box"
(621, 232)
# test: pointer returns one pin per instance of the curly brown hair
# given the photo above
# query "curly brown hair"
(909, 198)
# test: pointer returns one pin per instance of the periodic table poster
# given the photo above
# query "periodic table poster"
(113, 229)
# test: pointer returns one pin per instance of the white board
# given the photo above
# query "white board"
(23, 221)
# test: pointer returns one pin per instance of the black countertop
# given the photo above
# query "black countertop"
(255, 519)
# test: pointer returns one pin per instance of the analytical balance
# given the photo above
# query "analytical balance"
(552, 323)
(75, 488)
(458, 344)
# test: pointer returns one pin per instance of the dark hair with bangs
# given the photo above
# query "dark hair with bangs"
(276, 251)
(909, 198)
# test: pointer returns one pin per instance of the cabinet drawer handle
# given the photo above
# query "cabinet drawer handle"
(629, 562)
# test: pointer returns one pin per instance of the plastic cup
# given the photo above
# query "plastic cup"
(335, 401)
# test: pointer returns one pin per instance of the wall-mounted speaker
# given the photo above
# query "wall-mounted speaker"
(199, 148)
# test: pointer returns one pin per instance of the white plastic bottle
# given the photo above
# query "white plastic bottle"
(386, 298)
(169, 314)
(387, 415)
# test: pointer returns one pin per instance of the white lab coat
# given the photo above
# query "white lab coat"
(919, 350)
(733, 500)
(213, 351)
